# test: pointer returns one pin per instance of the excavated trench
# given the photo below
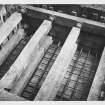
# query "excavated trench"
(81, 71)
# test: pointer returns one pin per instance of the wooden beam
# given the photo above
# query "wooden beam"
(67, 20)
(27, 55)
(9, 25)
(98, 7)
(98, 80)
(31, 68)
(10, 45)
(6, 96)
(56, 74)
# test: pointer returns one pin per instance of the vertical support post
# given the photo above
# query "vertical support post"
(56, 74)
(98, 80)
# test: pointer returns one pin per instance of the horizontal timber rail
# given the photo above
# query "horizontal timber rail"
(67, 20)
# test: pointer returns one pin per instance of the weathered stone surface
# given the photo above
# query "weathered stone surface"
(98, 80)
(26, 56)
(56, 74)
